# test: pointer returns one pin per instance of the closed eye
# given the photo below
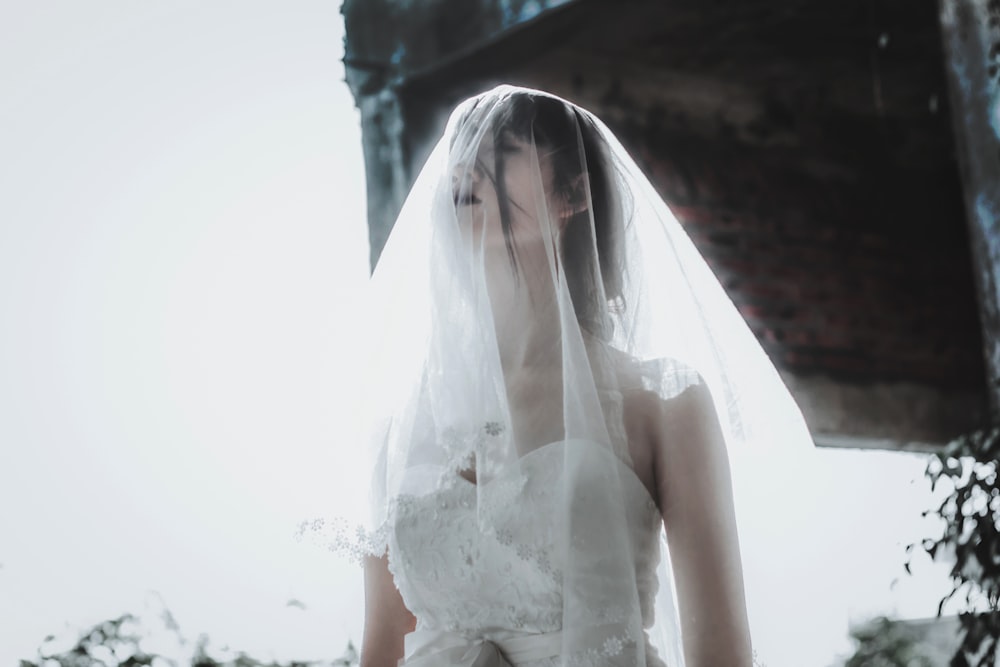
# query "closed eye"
(508, 148)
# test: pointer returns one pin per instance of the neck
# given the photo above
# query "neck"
(526, 316)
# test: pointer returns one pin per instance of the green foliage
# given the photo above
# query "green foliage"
(971, 518)
(112, 642)
(120, 642)
(883, 643)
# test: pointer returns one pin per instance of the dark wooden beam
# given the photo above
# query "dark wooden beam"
(971, 34)
(386, 174)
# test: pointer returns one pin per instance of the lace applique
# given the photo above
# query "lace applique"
(443, 561)
(354, 543)
(471, 556)
(464, 447)
(617, 649)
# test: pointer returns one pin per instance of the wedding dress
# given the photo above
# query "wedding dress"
(506, 585)
(564, 409)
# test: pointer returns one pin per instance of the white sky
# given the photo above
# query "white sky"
(182, 235)
(182, 247)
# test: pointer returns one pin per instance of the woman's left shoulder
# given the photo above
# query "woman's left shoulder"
(658, 394)
(671, 432)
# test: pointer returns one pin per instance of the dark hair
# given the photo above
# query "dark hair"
(576, 147)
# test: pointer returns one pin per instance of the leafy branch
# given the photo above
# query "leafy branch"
(884, 643)
(971, 518)
(120, 642)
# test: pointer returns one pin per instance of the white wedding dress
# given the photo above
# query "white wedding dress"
(506, 585)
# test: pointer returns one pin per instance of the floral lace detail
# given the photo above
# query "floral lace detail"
(463, 447)
(617, 650)
(443, 562)
(470, 557)
(352, 542)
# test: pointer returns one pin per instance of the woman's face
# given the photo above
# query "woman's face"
(480, 191)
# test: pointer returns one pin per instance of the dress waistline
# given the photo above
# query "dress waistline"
(437, 648)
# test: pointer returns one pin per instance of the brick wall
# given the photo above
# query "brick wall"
(856, 283)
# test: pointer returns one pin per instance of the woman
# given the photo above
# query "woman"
(558, 383)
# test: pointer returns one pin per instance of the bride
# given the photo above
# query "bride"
(559, 389)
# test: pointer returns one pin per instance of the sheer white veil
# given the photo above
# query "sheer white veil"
(534, 289)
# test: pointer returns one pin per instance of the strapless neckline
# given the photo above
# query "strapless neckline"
(630, 474)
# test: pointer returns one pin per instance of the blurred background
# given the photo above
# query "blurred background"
(182, 244)
(192, 194)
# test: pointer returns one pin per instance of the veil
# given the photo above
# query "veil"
(541, 336)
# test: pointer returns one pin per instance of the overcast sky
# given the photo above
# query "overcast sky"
(182, 237)
(182, 248)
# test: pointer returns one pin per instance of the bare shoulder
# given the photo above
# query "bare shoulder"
(669, 418)
(656, 423)
(668, 437)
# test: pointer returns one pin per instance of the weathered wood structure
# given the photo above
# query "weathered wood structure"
(971, 30)
(806, 146)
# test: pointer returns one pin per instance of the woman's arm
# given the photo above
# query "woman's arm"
(386, 617)
(696, 498)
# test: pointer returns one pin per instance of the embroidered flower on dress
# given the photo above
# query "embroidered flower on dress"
(493, 428)
(613, 646)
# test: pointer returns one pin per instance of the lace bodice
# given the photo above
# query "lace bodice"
(490, 562)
